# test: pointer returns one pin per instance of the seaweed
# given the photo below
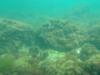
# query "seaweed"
(59, 47)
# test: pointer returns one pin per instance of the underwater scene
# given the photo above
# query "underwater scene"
(49, 37)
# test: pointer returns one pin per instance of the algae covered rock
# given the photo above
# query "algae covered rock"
(57, 48)
(87, 51)
(60, 35)
(14, 34)
(60, 63)
(6, 63)
(94, 35)
(93, 65)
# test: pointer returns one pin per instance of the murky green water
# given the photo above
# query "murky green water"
(50, 37)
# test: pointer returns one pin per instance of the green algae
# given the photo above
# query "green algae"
(57, 48)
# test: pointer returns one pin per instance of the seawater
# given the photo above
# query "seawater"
(35, 9)
(49, 37)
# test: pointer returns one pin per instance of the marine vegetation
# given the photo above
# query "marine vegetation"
(59, 47)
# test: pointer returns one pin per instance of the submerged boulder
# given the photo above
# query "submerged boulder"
(60, 63)
(94, 35)
(14, 34)
(60, 35)
(93, 65)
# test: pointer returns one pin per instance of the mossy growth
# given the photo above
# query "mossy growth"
(6, 63)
